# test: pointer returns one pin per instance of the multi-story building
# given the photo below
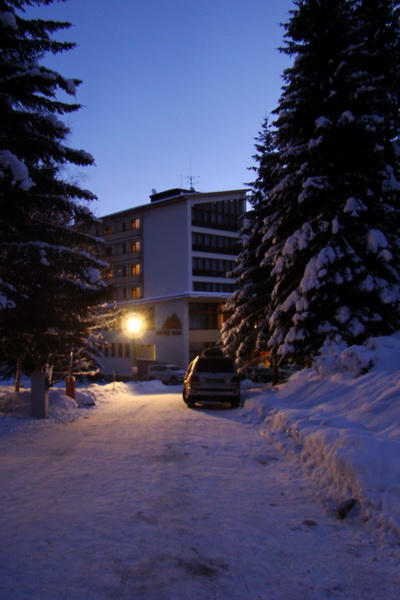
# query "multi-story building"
(169, 261)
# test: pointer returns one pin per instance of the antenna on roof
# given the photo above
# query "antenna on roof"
(190, 179)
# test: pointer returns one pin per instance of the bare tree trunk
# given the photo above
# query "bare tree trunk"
(18, 373)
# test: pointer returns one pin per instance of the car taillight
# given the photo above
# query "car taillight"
(194, 379)
(235, 380)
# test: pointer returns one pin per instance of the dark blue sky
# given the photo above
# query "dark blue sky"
(171, 88)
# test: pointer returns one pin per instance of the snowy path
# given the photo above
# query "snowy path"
(147, 500)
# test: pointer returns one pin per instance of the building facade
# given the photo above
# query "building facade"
(169, 261)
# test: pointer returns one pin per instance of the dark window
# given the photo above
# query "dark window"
(211, 286)
(215, 365)
(205, 316)
(211, 267)
(204, 242)
(218, 215)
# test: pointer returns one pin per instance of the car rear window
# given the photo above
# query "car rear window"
(215, 365)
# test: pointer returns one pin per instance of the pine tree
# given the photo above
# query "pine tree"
(244, 332)
(50, 280)
(332, 234)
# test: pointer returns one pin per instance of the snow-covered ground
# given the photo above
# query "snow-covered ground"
(137, 479)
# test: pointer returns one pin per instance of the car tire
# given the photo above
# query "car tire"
(188, 400)
(173, 380)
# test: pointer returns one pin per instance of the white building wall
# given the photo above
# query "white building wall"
(171, 343)
(166, 250)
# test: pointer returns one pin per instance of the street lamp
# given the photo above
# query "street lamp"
(134, 325)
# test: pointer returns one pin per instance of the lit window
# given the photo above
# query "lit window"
(108, 230)
(136, 292)
(136, 269)
(135, 223)
(135, 246)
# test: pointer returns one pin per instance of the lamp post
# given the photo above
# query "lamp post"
(134, 325)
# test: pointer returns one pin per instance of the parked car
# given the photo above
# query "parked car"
(211, 378)
(168, 374)
(260, 374)
(287, 371)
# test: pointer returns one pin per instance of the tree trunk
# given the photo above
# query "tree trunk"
(18, 373)
(275, 373)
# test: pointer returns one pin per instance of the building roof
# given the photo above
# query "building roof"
(170, 196)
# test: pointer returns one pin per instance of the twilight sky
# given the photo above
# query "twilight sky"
(171, 88)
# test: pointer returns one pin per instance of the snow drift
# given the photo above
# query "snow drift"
(343, 430)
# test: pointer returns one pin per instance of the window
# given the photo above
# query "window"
(204, 242)
(205, 316)
(136, 292)
(108, 230)
(127, 350)
(109, 251)
(216, 287)
(149, 316)
(212, 267)
(135, 246)
(219, 215)
(135, 223)
(136, 270)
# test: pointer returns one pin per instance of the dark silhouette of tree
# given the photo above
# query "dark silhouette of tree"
(50, 280)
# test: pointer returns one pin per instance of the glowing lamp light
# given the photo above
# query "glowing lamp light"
(134, 324)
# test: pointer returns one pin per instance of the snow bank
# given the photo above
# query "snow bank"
(344, 431)
(15, 408)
